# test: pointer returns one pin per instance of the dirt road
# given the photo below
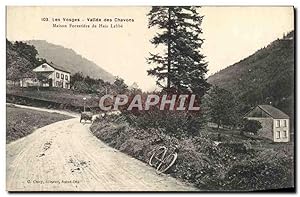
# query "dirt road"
(65, 156)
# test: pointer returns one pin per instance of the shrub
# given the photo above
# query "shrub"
(251, 126)
(265, 170)
(179, 124)
(227, 166)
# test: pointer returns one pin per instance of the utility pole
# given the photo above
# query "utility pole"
(84, 100)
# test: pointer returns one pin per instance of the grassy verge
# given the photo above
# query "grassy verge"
(21, 122)
(234, 164)
(58, 95)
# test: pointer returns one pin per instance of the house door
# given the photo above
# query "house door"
(50, 82)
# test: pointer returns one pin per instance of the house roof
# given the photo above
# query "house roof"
(273, 112)
(58, 67)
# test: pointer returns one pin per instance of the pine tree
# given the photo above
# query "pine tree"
(181, 65)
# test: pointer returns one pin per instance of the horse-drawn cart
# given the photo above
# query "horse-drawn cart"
(86, 115)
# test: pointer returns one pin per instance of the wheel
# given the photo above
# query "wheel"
(157, 156)
(166, 163)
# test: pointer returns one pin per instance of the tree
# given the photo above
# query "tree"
(28, 52)
(181, 64)
(16, 65)
(251, 126)
(76, 77)
(222, 108)
(42, 78)
(21, 58)
(81, 86)
(120, 86)
(134, 89)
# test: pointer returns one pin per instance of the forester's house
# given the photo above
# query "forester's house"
(275, 123)
(57, 77)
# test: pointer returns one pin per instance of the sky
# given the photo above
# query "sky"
(230, 33)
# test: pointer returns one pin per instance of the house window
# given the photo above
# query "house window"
(57, 75)
(277, 123)
(62, 76)
(277, 134)
(284, 134)
(284, 123)
(44, 66)
(66, 77)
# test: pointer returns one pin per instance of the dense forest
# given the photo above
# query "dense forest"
(20, 60)
(265, 77)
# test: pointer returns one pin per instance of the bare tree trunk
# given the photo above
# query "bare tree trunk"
(169, 49)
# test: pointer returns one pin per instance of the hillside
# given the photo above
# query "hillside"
(265, 77)
(17, 64)
(70, 60)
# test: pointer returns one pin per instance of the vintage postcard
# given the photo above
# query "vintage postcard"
(150, 99)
